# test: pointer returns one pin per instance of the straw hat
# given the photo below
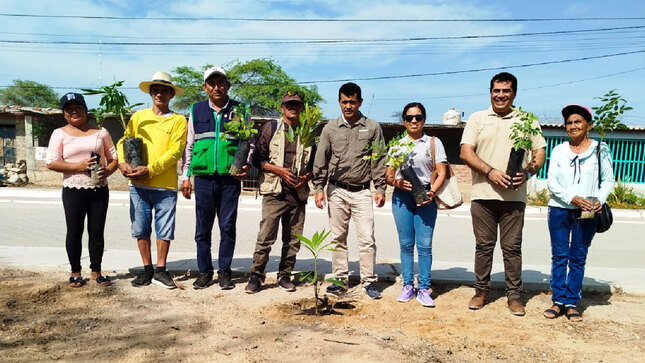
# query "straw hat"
(161, 78)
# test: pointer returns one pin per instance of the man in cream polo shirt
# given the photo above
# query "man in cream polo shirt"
(485, 147)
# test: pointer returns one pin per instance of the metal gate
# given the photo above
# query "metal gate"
(7, 144)
(629, 164)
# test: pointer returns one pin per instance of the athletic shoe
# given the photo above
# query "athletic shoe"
(203, 281)
(371, 291)
(142, 279)
(286, 284)
(335, 289)
(254, 285)
(423, 296)
(225, 282)
(406, 294)
(163, 279)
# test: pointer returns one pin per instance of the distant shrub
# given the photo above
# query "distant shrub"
(539, 198)
(623, 196)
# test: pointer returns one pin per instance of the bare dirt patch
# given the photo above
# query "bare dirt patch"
(42, 318)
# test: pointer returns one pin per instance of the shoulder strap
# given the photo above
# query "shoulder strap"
(599, 165)
(274, 126)
(434, 162)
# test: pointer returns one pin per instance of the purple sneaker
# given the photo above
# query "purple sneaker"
(406, 294)
(423, 296)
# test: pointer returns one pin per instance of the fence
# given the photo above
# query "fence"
(628, 157)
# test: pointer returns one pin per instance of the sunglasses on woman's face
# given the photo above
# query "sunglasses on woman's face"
(409, 118)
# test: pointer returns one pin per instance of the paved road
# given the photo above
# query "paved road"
(33, 230)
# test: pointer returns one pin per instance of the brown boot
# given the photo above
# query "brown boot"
(516, 307)
(479, 300)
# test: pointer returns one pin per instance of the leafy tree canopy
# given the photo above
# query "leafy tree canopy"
(259, 83)
(30, 94)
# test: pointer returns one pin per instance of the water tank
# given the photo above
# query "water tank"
(451, 117)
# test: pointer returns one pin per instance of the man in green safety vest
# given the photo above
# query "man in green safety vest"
(207, 158)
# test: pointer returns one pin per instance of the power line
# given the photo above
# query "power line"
(318, 20)
(522, 89)
(476, 69)
(319, 41)
(449, 73)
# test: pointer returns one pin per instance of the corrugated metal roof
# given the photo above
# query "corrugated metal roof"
(629, 128)
(21, 109)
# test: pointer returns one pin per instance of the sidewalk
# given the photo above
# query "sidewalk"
(536, 277)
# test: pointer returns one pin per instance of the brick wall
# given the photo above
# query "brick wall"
(464, 176)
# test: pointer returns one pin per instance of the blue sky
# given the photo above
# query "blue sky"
(381, 52)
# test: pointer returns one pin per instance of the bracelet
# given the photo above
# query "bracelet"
(433, 192)
(488, 172)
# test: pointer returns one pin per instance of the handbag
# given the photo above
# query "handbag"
(604, 218)
(448, 195)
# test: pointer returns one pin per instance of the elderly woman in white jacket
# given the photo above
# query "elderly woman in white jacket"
(572, 177)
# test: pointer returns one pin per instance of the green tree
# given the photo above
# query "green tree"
(30, 94)
(259, 83)
(190, 80)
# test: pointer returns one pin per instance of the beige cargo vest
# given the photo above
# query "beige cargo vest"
(270, 183)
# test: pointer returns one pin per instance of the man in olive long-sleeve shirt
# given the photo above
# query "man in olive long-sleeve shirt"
(339, 163)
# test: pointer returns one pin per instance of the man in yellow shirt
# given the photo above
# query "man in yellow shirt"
(153, 186)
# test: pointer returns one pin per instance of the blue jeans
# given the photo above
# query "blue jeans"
(414, 224)
(164, 203)
(570, 241)
(216, 195)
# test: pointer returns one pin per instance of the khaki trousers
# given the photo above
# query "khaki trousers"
(487, 216)
(343, 205)
(274, 212)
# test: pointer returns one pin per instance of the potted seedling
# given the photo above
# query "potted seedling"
(315, 246)
(115, 103)
(521, 133)
(305, 134)
(607, 120)
(241, 130)
(397, 152)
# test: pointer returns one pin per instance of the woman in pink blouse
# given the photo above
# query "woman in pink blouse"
(73, 150)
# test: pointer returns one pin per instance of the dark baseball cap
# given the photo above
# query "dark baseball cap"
(71, 96)
(292, 96)
(581, 110)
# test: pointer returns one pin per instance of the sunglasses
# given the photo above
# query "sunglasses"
(409, 118)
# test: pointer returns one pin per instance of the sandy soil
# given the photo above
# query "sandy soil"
(42, 318)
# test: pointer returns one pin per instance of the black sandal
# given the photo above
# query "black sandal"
(76, 281)
(552, 313)
(574, 315)
(103, 280)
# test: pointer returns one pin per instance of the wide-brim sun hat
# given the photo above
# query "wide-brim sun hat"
(583, 111)
(160, 78)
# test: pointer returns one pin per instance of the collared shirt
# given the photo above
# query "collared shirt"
(572, 174)
(190, 140)
(420, 157)
(340, 153)
(490, 134)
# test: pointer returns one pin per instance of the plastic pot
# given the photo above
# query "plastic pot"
(133, 152)
(514, 165)
(239, 160)
(418, 190)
